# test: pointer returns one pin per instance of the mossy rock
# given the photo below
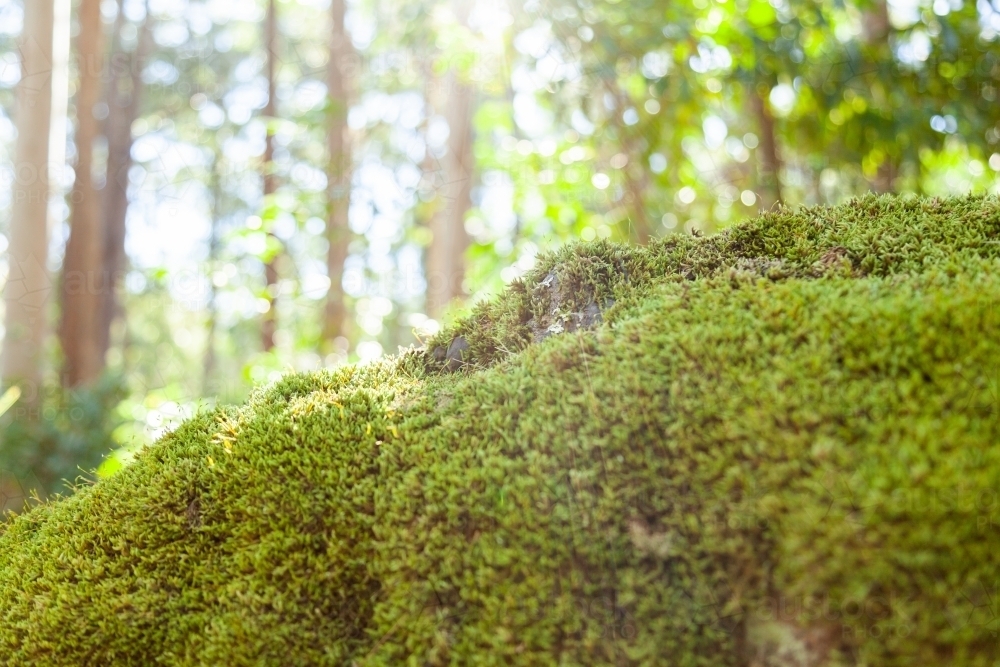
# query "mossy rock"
(776, 446)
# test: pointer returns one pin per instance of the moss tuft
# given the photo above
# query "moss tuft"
(779, 445)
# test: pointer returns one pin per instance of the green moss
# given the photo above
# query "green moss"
(782, 441)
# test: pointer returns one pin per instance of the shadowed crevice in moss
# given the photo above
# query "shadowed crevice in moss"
(779, 447)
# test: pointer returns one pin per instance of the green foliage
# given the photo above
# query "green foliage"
(68, 436)
(788, 431)
(862, 96)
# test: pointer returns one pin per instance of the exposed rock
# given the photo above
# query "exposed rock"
(556, 318)
(456, 354)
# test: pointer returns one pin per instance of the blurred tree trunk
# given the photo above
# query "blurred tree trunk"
(635, 176)
(83, 267)
(885, 178)
(875, 24)
(124, 93)
(61, 47)
(341, 87)
(875, 32)
(28, 285)
(636, 187)
(770, 160)
(209, 386)
(269, 326)
(449, 240)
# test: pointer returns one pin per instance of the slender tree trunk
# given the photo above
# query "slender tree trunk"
(28, 285)
(449, 240)
(431, 176)
(634, 185)
(340, 85)
(875, 26)
(269, 326)
(875, 32)
(124, 95)
(636, 181)
(770, 159)
(83, 267)
(885, 178)
(208, 372)
(61, 46)
(638, 219)
(509, 56)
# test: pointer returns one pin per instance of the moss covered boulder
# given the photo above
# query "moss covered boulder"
(776, 446)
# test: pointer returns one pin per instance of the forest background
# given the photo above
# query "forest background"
(197, 196)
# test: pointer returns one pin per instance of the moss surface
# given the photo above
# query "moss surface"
(779, 445)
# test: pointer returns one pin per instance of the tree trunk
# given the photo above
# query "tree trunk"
(875, 24)
(875, 32)
(635, 186)
(124, 93)
(770, 160)
(209, 386)
(269, 326)
(61, 43)
(885, 178)
(449, 240)
(638, 219)
(339, 173)
(83, 267)
(28, 285)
